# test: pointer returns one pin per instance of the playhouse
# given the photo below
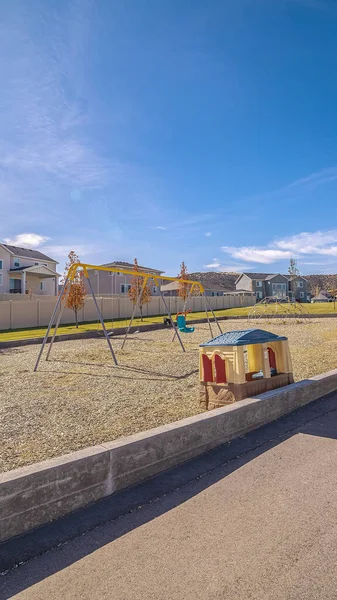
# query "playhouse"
(241, 364)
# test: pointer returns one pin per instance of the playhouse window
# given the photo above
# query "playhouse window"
(207, 368)
(220, 369)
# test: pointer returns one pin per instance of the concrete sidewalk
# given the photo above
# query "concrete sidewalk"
(259, 526)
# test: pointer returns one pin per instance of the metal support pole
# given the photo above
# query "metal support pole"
(55, 330)
(50, 324)
(206, 311)
(172, 322)
(187, 299)
(214, 317)
(133, 313)
(57, 324)
(102, 322)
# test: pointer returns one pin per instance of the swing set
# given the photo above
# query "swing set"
(146, 276)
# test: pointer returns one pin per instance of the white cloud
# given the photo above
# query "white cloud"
(208, 234)
(234, 268)
(48, 143)
(318, 242)
(27, 240)
(213, 265)
(254, 254)
(311, 263)
(62, 251)
(160, 227)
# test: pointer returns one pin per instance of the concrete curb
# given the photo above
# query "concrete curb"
(143, 328)
(41, 493)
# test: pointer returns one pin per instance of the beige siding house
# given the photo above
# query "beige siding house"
(211, 289)
(105, 283)
(24, 271)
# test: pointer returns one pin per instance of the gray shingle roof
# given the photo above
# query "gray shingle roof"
(320, 296)
(27, 253)
(131, 266)
(244, 338)
(258, 275)
(276, 275)
(174, 285)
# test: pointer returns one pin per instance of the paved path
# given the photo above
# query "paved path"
(259, 526)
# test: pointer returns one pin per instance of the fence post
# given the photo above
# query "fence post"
(11, 314)
(38, 312)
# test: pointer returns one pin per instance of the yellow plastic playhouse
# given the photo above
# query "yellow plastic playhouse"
(241, 364)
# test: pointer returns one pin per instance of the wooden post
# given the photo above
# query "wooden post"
(265, 361)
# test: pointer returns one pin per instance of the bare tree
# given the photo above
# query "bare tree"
(75, 291)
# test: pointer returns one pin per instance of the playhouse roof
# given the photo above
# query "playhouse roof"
(244, 338)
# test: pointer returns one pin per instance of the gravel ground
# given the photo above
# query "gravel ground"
(79, 398)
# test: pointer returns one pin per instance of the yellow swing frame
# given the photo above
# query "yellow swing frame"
(146, 275)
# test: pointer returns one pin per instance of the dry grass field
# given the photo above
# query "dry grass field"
(79, 398)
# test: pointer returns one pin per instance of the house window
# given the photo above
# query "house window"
(125, 288)
(42, 286)
(300, 284)
(279, 288)
(0, 278)
(154, 290)
(259, 295)
(0, 265)
(301, 294)
(36, 264)
(15, 284)
(16, 262)
(259, 284)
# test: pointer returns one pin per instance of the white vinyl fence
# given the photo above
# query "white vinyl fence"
(15, 314)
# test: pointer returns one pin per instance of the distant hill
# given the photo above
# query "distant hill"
(323, 282)
(227, 280)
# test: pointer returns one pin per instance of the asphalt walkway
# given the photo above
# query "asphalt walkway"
(253, 519)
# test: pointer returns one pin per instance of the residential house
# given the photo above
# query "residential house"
(320, 298)
(24, 271)
(211, 289)
(107, 283)
(299, 289)
(274, 284)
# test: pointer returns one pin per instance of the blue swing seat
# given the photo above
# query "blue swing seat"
(181, 322)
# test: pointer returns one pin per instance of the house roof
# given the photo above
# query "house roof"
(174, 285)
(131, 266)
(244, 337)
(27, 253)
(266, 276)
(37, 270)
(320, 296)
(295, 277)
(277, 275)
(257, 275)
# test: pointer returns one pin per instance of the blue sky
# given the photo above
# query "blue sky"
(171, 130)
